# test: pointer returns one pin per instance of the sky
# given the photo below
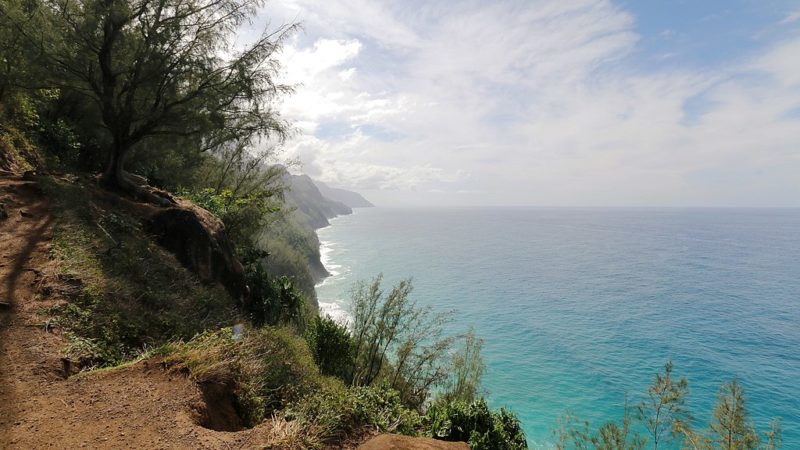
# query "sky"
(546, 102)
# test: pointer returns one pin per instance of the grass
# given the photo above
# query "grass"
(266, 369)
(272, 376)
(125, 294)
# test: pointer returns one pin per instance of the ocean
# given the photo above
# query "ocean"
(579, 308)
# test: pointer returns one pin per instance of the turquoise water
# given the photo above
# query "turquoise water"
(579, 307)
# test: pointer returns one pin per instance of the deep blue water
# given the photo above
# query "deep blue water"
(579, 307)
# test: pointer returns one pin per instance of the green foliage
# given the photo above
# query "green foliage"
(156, 72)
(576, 434)
(18, 54)
(397, 342)
(666, 418)
(730, 426)
(476, 424)
(774, 436)
(336, 411)
(331, 345)
(61, 141)
(664, 410)
(17, 117)
(243, 216)
(266, 369)
(466, 371)
(292, 250)
(274, 301)
(22, 110)
(16, 151)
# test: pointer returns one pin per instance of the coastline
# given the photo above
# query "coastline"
(324, 249)
(332, 307)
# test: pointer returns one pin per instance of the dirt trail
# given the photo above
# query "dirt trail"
(142, 406)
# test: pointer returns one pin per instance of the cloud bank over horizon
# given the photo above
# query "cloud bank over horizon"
(590, 102)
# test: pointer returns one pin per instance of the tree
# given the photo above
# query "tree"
(664, 411)
(665, 416)
(466, 371)
(574, 433)
(13, 64)
(398, 342)
(774, 435)
(730, 426)
(163, 68)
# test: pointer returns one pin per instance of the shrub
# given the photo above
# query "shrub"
(61, 141)
(466, 371)
(266, 369)
(665, 416)
(476, 424)
(244, 216)
(16, 151)
(332, 347)
(274, 301)
(336, 412)
(398, 342)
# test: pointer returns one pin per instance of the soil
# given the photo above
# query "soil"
(397, 442)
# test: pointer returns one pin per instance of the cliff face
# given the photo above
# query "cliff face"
(311, 209)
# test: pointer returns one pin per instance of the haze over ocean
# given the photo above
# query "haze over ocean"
(579, 307)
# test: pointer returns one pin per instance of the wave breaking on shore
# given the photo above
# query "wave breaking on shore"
(331, 306)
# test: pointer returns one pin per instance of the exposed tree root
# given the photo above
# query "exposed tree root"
(136, 187)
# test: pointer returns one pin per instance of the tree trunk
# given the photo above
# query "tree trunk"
(114, 177)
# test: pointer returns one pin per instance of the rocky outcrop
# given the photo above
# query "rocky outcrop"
(398, 442)
(199, 241)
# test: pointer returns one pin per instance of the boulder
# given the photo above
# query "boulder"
(398, 442)
(199, 241)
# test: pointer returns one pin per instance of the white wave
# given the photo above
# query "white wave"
(325, 250)
(331, 307)
(334, 310)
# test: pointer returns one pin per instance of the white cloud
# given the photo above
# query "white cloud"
(782, 62)
(791, 17)
(534, 103)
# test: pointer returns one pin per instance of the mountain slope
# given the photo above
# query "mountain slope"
(349, 198)
(313, 209)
